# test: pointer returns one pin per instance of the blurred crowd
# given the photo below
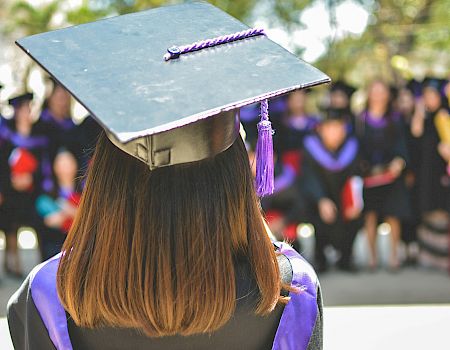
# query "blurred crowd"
(339, 170)
(41, 164)
(343, 171)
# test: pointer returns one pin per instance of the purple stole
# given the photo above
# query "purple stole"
(293, 333)
(285, 179)
(45, 297)
(30, 142)
(64, 124)
(321, 155)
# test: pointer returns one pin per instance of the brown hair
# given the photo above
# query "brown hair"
(155, 250)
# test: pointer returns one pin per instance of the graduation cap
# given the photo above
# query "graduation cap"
(17, 101)
(415, 87)
(330, 113)
(344, 87)
(167, 84)
(434, 83)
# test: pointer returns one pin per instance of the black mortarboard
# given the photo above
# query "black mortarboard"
(434, 83)
(158, 109)
(330, 113)
(344, 87)
(17, 101)
(415, 87)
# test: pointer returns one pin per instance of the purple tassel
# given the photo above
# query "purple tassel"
(264, 154)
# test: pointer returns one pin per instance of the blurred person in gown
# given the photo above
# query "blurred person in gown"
(333, 183)
(405, 105)
(57, 121)
(340, 96)
(433, 179)
(293, 126)
(286, 207)
(57, 208)
(3, 214)
(26, 170)
(384, 158)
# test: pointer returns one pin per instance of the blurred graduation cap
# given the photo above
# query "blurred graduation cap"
(330, 113)
(18, 100)
(415, 87)
(434, 83)
(344, 87)
(158, 101)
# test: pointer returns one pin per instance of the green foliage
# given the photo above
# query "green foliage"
(84, 14)
(402, 35)
(288, 12)
(29, 19)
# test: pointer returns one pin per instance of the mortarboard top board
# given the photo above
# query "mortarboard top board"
(116, 70)
(17, 101)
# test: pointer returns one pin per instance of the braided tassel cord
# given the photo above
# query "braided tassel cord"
(174, 52)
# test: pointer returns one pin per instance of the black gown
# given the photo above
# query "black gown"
(381, 141)
(88, 132)
(18, 206)
(325, 176)
(413, 144)
(61, 133)
(245, 330)
(288, 146)
(433, 181)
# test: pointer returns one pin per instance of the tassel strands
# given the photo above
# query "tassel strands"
(264, 154)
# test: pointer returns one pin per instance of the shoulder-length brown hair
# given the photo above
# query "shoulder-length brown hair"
(155, 250)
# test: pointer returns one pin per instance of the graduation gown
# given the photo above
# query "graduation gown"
(19, 205)
(88, 132)
(433, 181)
(325, 176)
(52, 238)
(37, 321)
(381, 141)
(61, 133)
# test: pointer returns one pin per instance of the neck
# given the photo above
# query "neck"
(331, 148)
(66, 183)
(56, 115)
(377, 112)
(297, 113)
(23, 128)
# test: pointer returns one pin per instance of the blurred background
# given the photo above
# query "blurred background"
(368, 207)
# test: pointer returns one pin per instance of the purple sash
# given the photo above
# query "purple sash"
(379, 123)
(299, 316)
(45, 297)
(18, 140)
(285, 179)
(343, 159)
(64, 124)
(293, 333)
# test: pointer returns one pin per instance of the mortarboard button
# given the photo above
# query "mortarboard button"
(174, 52)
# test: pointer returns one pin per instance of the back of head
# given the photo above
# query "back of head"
(155, 250)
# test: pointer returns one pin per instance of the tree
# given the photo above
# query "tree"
(28, 20)
(402, 34)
